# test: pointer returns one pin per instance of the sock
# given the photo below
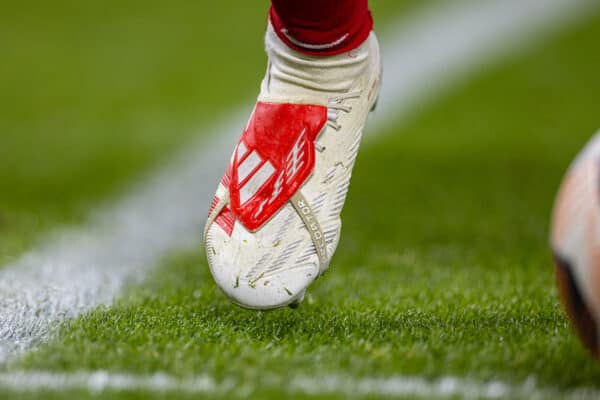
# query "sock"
(321, 27)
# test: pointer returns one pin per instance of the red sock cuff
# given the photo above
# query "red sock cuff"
(321, 27)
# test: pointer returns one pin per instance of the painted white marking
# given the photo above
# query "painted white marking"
(310, 46)
(277, 188)
(242, 150)
(77, 270)
(345, 385)
(295, 157)
(256, 182)
(248, 165)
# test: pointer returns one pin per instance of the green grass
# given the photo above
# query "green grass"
(91, 95)
(443, 266)
(94, 95)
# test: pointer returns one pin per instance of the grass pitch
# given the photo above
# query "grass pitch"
(443, 268)
(93, 96)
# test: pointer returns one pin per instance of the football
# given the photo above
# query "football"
(575, 242)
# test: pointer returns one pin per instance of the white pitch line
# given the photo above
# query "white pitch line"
(447, 41)
(78, 270)
(348, 386)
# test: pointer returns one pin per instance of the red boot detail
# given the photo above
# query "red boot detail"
(274, 157)
(321, 27)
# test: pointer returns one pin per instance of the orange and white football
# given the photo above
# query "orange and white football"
(575, 241)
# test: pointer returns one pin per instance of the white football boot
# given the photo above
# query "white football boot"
(274, 223)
